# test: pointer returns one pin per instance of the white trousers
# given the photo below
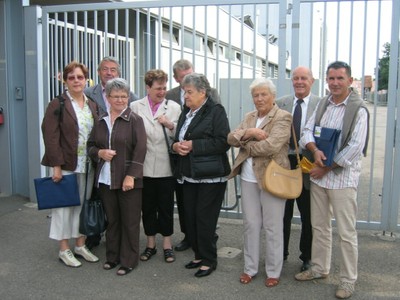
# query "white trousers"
(261, 210)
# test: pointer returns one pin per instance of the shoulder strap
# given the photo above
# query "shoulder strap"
(60, 110)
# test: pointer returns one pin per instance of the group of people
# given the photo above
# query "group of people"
(131, 144)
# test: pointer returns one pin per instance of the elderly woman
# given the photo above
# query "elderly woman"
(160, 117)
(203, 168)
(262, 135)
(118, 145)
(66, 127)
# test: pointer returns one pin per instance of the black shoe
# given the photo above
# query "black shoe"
(193, 265)
(305, 266)
(182, 246)
(92, 241)
(202, 273)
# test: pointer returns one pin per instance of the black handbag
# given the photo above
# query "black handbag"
(92, 219)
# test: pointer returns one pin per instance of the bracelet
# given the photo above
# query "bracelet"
(315, 150)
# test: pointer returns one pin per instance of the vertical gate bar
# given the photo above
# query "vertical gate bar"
(159, 56)
(388, 185)
(394, 94)
(182, 31)
(194, 34)
(138, 53)
(127, 55)
(295, 51)
(75, 38)
(66, 58)
(323, 59)
(217, 85)
(282, 49)
(364, 50)
(255, 34)
(372, 160)
(171, 32)
(267, 73)
(351, 32)
(95, 50)
(147, 35)
(85, 40)
(337, 30)
(53, 74)
(116, 35)
(106, 46)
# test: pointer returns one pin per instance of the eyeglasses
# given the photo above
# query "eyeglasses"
(78, 77)
(119, 97)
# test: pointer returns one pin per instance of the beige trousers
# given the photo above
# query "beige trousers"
(342, 204)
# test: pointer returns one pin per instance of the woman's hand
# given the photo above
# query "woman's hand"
(106, 154)
(255, 133)
(183, 148)
(57, 175)
(163, 120)
(128, 184)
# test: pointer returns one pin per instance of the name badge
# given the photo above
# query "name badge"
(317, 131)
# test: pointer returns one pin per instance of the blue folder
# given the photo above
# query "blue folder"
(326, 140)
(50, 194)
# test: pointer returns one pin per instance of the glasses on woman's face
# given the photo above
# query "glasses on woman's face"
(77, 77)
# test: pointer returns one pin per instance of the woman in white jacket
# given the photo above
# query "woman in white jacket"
(158, 115)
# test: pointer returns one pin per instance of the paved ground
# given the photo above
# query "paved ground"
(29, 267)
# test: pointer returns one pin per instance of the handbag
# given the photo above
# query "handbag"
(50, 194)
(92, 219)
(306, 165)
(281, 182)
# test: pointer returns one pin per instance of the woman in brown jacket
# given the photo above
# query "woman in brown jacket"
(66, 127)
(263, 135)
(117, 145)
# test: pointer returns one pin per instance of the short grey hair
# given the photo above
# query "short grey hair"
(263, 82)
(199, 81)
(111, 59)
(182, 64)
(117, 84)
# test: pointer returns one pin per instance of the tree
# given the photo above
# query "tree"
(383, 68)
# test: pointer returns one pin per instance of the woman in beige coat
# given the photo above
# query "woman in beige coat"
(262, 135)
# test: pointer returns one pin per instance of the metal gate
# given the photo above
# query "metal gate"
(232, 43)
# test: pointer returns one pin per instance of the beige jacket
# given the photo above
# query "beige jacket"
(277, 125)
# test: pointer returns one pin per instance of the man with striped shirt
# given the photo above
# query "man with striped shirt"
(334, 188)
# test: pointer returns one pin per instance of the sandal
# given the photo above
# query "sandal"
(109, 265)
(148, 253)
(271, 282)
(245, 278)
(169, 255)
(123, 271)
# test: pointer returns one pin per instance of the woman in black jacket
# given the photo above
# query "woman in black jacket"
(202, 168)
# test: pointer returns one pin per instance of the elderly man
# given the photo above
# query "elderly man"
(334, 186)
(301, 105)
(109, 68)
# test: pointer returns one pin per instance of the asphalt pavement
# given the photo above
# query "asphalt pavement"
(30, 269)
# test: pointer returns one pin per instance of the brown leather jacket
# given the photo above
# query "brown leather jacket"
(128, 139)
(60, 134)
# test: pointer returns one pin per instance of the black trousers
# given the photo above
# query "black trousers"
(303, 204)
(202, 202)
(158, 205)
(180, 205)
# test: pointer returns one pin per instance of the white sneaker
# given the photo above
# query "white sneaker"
(86, 254)
(68, 258)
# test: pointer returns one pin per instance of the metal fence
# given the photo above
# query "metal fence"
(233, 43)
